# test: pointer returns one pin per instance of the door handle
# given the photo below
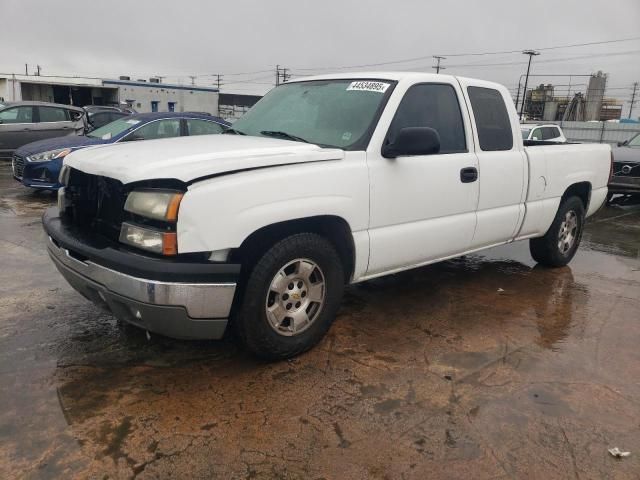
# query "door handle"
(26, 129)
(469, 175)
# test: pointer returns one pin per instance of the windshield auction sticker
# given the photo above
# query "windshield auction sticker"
(366, 86)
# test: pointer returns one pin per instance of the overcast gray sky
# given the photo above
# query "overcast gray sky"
(142, 38)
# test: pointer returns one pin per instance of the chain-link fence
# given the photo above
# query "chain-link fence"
(599, 132)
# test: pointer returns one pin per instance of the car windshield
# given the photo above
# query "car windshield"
(635, 141)
(525, 133)
(113, 129)
(331, 113)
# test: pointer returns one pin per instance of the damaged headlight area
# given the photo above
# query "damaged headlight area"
(150, 239)
(49, 155)
(152, 226)
(154, 204)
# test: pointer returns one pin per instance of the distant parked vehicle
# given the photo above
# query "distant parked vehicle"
(626, 168)
(546, 133)
(38, 164)
(99, 115)
(26, 122)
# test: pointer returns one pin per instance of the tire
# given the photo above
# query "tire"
(559, 245)
(270, 318)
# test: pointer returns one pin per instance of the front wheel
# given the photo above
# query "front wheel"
(560, 243)
(291, 297)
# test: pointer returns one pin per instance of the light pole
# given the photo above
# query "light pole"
(531, 54)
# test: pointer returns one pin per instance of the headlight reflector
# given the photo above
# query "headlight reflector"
(156, 241)
(49, 155)
(155, 204)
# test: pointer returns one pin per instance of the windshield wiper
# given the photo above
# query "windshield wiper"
(288, 136)
(233, 131)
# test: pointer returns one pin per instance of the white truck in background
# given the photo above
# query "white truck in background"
(327, 180)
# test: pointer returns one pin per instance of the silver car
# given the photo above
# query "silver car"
(26, 122)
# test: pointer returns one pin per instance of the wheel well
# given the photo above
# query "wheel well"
(333, 228)
(581, 190)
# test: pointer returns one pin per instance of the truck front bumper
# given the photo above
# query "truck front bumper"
(193, 301)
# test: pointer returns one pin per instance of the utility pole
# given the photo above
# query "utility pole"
(437, 66)
(285, 75)
(531, 54)
(26, 69)
(193, 79)
(277, 75)
(633, 98)
(38, 68)
(218, 80)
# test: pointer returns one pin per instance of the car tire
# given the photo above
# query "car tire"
(558, 246)
(290, 297)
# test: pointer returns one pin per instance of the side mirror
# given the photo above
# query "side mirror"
(413, 141)
(622, 144)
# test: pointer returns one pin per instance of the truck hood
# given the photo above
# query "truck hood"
(190, 158)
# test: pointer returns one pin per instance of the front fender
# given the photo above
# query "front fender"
(221, 212)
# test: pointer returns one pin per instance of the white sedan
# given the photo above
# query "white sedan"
(547, 133)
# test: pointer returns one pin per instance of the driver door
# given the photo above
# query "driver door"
(422, 207)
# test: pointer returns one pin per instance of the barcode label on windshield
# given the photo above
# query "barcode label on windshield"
(365, 86)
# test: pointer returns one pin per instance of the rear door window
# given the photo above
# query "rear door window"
(53, 114)
(202, 127)
(492, 119)
(549, 133)
(435, 106)
(17, 115)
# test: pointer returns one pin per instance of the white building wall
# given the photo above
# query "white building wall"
(185, 98)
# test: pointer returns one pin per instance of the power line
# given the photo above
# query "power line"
(408, 60)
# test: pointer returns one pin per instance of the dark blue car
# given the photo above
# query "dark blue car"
(38, 164)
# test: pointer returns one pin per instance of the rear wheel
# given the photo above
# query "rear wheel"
(560, 243)
(291, 297)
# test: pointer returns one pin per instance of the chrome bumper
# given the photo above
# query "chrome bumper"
(179, 310)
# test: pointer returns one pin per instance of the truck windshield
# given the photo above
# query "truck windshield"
(330, 113)
(113, 129)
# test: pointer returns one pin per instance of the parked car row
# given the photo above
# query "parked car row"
(37, 164)
(26, 122)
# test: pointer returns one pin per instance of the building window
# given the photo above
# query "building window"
(154, 106)
(172, 106)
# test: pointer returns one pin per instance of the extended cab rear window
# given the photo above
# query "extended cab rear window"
(492, 119)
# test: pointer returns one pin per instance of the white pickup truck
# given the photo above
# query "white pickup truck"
(325, 181)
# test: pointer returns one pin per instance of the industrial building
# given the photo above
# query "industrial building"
(232, 105)
(145, 95)
(542, 105)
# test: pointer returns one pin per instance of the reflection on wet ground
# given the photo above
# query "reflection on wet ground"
(481, 367)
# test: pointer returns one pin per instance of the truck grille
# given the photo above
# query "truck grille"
(97, 203)
(621, 169)
(17, 163)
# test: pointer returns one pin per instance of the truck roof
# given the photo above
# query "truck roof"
(397, 76)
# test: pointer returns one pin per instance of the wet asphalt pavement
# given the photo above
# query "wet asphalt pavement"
(481, 367)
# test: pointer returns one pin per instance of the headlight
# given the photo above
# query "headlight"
(155, 204)
(157, 241)
(50, 155)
